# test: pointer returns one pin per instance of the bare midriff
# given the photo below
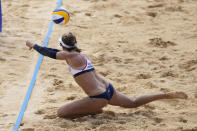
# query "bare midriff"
(91, 83)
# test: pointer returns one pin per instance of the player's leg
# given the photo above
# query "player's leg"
(122, 100)
(82, 107)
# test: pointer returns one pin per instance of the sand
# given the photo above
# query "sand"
(141, 46)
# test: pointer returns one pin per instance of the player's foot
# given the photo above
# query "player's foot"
(180, 95)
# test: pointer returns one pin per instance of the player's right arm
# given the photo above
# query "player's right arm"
(52, 53)
(62, 55)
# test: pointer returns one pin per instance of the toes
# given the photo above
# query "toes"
(181, 95)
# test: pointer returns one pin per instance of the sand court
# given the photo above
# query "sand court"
(142, 47)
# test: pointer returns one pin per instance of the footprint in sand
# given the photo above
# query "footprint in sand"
(128, 61)
(158, 120)
(122, 122)
(88, 14)
(158, 42)
(12, 74)
(156, 6)
(50, 116)
(51, 100)
(182, 120)
(189, 65)
(123, 41)
(24, 56)
(28, 129)
(195, 94)
(127, 12)
(163, 58)
(7, 53)
(116, 59)
(149, 107)
(169, 74)
(108, 127)
(174, 9)
(165, 90)
(143, 76)
(152, 14)
(39, 112)
(49, 76)
(25, 5)
(71, 98)
(3, 115)
(151, 85)
(50, 89)
(117, 16)
(104, 73)
(97, 122)
(53, 69)
(2, 59)
(57, 82)
(111, 113)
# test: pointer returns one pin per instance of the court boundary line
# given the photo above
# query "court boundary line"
(28, 94)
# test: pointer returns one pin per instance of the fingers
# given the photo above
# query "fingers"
(30, 48)
(29, 44)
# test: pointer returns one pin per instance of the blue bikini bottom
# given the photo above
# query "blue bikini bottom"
(107, 94)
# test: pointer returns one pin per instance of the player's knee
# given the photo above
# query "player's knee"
(59, 113)
(132, 104)
(135, 104)
(62, 113)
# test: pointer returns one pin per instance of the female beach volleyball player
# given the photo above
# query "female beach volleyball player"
(100, 92)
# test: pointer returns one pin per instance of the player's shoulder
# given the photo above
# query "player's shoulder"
(62, 55)
(70, 54)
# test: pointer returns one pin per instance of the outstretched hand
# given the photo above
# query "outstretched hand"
(29, 44)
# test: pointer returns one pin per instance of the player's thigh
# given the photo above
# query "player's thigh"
(122, 100)
(82, 106)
